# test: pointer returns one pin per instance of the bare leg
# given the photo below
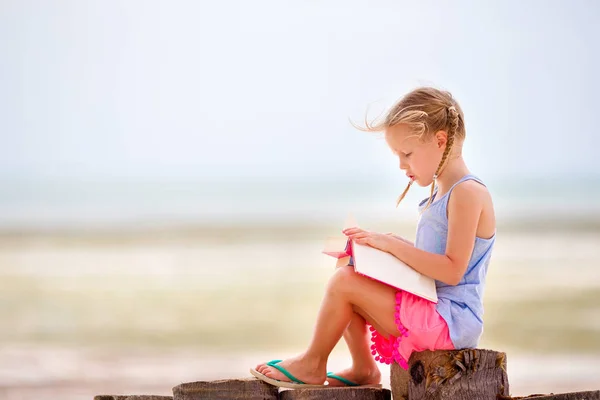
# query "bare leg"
(345, 290)
(364, 369)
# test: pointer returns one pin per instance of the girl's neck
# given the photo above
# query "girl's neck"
(454, 170)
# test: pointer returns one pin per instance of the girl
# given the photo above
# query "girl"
(455, 235)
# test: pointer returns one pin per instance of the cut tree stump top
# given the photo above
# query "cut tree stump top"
(591, 395)
(230, 389)
(132, 397)
(337, 393)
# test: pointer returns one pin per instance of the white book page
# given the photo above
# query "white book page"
(386, 268)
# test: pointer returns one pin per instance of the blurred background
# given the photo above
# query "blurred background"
(170, 170)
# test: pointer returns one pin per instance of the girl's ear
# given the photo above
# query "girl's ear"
(441, 138)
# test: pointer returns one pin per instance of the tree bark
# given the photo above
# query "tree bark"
(469, 374)
(338, 393)
(399, 378)
(229, 389)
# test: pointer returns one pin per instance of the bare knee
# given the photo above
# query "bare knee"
(341, 281)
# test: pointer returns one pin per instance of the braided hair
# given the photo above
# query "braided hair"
(425, 111)
(453, 119)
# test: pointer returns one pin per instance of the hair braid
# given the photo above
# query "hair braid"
(425, 111)
(404, 193)
(453, 120)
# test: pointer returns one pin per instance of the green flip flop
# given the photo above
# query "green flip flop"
(349, 382)
(296, 383)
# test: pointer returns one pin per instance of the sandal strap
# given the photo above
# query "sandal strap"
(341, 379)
(275, 364)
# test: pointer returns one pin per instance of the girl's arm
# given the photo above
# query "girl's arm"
(436, 266)
(401, 238)
(464, 209)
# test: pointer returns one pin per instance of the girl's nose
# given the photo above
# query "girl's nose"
(403, 165)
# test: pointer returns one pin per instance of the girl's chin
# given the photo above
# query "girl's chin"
(421, 183)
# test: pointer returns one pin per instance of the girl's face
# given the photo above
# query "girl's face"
(419, 159)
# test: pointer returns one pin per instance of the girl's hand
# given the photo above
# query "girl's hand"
(377, 240)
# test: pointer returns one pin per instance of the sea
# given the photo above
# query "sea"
(144, 203)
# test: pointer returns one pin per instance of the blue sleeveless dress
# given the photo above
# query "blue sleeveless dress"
(461, 306)
(456, 321)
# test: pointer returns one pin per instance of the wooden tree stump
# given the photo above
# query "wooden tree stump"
(469, 374)
(592, 395)
(131, 397)
(230, 389)
(399, 382)
(338, 393)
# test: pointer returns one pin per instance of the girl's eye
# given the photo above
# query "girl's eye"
(408, 155)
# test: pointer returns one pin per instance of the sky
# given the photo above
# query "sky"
(121, 90)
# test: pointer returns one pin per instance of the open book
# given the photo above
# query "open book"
(381, 266)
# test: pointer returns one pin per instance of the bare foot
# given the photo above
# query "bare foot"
(361, 377)
(302, 368)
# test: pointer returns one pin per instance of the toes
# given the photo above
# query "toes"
(265, 370)
(273, 374)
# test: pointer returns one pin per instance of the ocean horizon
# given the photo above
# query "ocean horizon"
(114, 203)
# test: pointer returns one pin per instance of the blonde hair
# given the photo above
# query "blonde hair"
(425, 111)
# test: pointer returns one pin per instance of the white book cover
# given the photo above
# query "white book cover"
(386, 268)
(380, 265)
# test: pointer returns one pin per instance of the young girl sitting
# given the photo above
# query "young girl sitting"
(455, 235)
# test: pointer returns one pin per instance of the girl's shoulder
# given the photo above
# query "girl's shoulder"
(471, 200)
(472, 188)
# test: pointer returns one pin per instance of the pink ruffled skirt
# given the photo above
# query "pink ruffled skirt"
(421, 328)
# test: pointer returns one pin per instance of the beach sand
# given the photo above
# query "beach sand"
(138, 313)
(72, 373)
